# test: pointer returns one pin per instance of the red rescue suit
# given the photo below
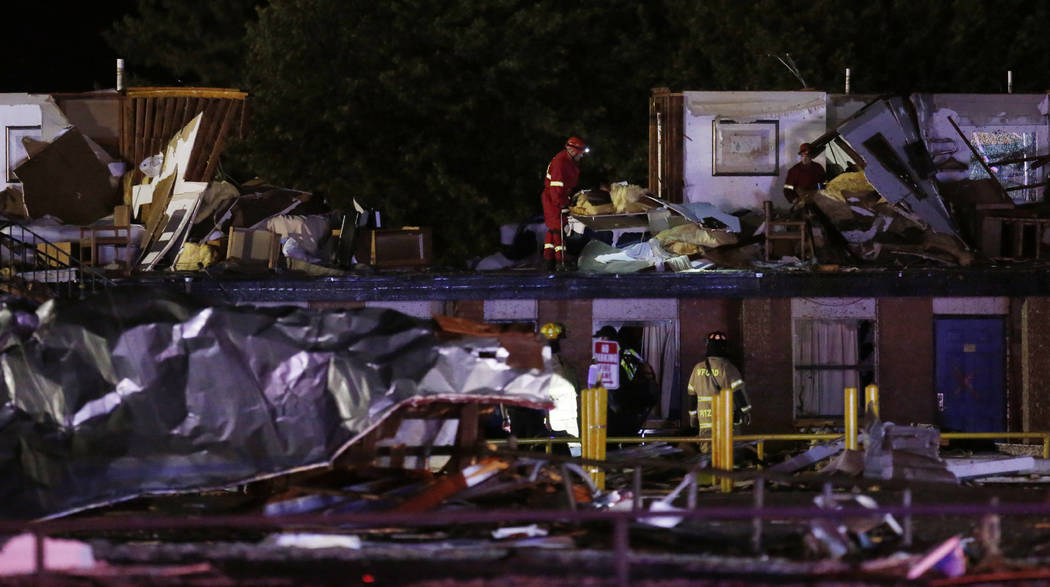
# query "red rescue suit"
(562, 175)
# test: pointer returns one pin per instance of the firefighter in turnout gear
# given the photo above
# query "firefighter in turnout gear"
(711, 376)
(630, 404)
(563, 173)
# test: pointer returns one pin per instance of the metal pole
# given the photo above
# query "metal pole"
(567, 482)
(38, 544)
(1009, 82)
(716, 436)
(756, 522)
(871, 399)
(727, 438)
(847, 80)
(600, 418)
(637, 503)
(850, 415)
(623, 572)
(691, 501)
(906, 502)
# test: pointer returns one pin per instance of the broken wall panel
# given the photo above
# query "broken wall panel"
(999, 127)
(896, 161)
(67, 180)
(96, 114)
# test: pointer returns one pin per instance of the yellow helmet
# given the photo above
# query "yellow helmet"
(552, 330)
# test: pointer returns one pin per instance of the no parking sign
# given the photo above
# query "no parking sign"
(605, 370)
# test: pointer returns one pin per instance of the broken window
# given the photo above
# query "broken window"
(1011, 155)
(829, 356)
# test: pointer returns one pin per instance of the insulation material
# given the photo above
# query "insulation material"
(592, 203)
(626, 198)
(845, 183)
(689, 239)
(194, 257)
(156, 393)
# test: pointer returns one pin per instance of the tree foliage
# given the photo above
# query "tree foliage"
(191, 43)
(443, 114)
(446, 113)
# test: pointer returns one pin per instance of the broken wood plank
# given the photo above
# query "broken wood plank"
(812, 456)
(969, 469)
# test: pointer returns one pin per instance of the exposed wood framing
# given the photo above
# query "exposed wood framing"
(151, 116)
(666, 146)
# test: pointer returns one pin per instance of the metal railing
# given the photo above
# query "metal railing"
(32, 266)
(724, 440)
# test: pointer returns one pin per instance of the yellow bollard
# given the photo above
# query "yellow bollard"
(593, 418)
(716, 436)
(600, 412)
(871, 399)
(585, 423)
(849, 412)
(727, 437)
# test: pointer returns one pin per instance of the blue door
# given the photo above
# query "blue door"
(969, 374)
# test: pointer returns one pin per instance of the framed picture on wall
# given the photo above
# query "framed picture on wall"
(746, 148)
(16, 151)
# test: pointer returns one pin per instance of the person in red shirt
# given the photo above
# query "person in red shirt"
(805, 175)
(563, 172)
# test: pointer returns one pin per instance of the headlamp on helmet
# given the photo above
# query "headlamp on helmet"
(552, 331)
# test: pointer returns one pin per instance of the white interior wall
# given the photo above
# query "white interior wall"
(12, 116)
(801, 116)
(19, 109)
(420, 309)
(511, 310)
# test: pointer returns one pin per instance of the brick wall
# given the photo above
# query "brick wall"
(906, 361)
(766, 365)
(576, 316)
(1035, 384)
(696, 318)
(469, 309)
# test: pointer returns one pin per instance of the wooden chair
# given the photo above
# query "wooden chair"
(785, 230)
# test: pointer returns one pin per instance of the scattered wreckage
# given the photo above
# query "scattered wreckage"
(75, 210)
(362, 434)
(894, 197)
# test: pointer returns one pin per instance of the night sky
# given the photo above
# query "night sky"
(58, 47)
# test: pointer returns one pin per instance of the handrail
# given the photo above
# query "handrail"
(762, 438)
(42, 262)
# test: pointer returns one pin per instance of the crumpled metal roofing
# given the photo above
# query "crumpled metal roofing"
(145, 391)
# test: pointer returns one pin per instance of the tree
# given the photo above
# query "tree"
(444, 114)
(191, 43)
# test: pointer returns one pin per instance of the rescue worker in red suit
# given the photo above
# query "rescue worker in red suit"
(804, 176)
(562, 175)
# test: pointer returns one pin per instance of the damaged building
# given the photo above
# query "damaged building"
(917, 266)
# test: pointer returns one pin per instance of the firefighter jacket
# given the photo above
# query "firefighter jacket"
(709, 377)
(562, 175)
